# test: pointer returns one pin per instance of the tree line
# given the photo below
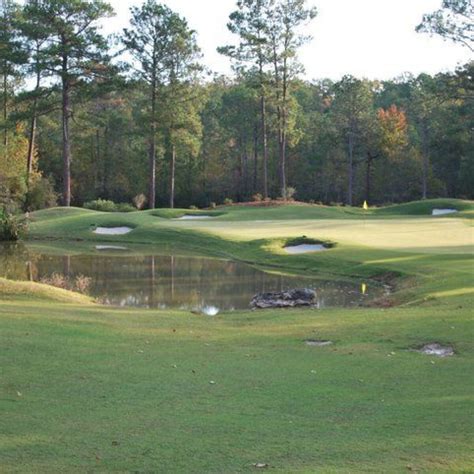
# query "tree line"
(136, 117)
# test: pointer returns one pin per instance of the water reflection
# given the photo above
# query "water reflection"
(170, 281)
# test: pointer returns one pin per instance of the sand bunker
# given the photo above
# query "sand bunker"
(110, 247)
(443, 212)
(437, 350)
(193, 218)
(112, 230)
(313, 343)
(305, 248)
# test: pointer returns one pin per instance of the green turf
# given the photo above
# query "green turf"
(85, 388)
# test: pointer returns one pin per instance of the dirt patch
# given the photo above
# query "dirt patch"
(436, 349)
(387, 278)
(383, 302)
(316, 343)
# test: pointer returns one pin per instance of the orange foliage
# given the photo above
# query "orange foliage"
(394, 127)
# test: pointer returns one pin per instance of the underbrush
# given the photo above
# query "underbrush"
(12, 227)
(104, 205)
(78, 284)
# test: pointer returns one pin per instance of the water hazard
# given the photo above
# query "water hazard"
(117, 277)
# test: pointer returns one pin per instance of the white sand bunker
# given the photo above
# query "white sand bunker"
(112, 230)
(189, 217)
(443, 212)
(313, 343)
(110, 247)
(437, 350)
(305, 248)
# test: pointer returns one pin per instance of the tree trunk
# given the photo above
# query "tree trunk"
(66, 140)
(101, 170)
(240, 172)
(31, 147)
(368, 172)
(282, 145)
(263, 112)
(152, 152)
(426, 161)
(246, 175)
(5, 110)
(263, 117)
(34, 119)
(283, 112)
(255, 159)
(351, 170)
(172, 176)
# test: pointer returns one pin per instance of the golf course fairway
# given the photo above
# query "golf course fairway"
(91, 388)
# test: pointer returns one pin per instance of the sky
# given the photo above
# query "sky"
(375, 39)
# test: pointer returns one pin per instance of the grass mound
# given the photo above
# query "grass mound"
(30, 290)
(177, 213)
(59, 213)
(425, 208)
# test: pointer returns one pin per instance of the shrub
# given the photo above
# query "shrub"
(12, 227)
(125, 207)
(139, 201)
(102, 205)
(288, 194)
(41, 195)
(228, 201)
(213, 205)
(257, 197)
(80, 283)
(12, 193)
(193, 208)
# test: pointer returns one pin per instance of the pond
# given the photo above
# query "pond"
(116, 276)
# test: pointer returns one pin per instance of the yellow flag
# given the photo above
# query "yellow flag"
(366, 206)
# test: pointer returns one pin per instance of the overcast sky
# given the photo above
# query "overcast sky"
(365, 38)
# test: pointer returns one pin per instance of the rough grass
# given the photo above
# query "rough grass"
(16, 290)
(86, 388)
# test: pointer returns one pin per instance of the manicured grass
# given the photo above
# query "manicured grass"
(86, 388)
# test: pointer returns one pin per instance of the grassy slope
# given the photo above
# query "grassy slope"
(104, 389)
(27, 291)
